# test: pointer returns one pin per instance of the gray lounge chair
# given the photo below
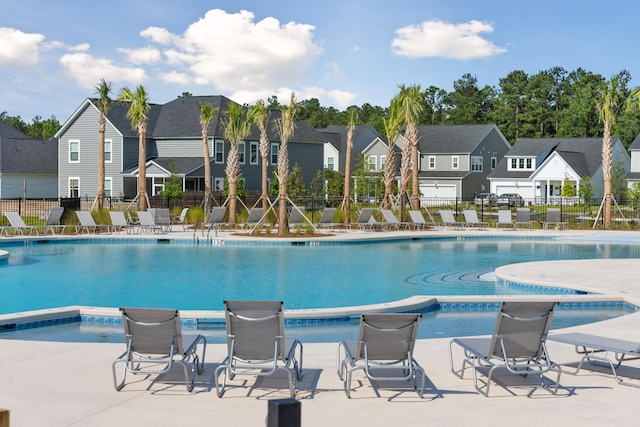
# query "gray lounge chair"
(601, 350)
(297, 217)
(505, 219)
(216, 219)
(366, 220)
(553, 217)
(52, 223)
(162, 218)
(88, 224)
(392, 221)
(418, 221)
(148, 223)
(256, 343)
(523, 216)
(449, 220)
(181, 219)
(327, 220)
(119, 222)
(516, 346)
(471, 219)
(17, 225)
(254, 219)
(155, 343)
(383, 350)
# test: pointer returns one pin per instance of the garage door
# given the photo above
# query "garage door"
(448, 191)
(507, 189)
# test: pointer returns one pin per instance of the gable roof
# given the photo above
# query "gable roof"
(8, 131)
(635, 145)
(583, 155)
(28, 156)
(460, 139)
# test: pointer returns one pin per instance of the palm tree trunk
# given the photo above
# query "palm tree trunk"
(265, 182)
(142, 169)
(101, 173)
(606, 173)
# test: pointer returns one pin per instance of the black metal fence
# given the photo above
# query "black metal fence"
(575, 213)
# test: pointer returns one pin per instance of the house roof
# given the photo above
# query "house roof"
(8, 131)
(25, 155)
(440, 139)
(583, 155)
(635, 145)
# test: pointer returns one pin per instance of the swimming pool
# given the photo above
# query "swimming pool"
(115, 273)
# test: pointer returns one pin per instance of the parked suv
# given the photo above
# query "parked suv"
(486, 199)
(510, 199)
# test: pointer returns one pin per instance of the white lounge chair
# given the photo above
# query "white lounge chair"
(418, 221)
(392, 221)
(119, 222)
(256, 344)
(297, 217)
(52, 223)
(599, 350)
(517, 346)
(155, 343)
(366, 220)
(88, 224)
(383, 350)
(148, 223)
(181, 219)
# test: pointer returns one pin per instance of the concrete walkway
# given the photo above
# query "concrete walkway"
(70, 384)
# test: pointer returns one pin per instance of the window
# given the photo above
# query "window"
(494, 162)
(514, 163)
(253, 153)
(107, 150)
(331, 163)
(275, 150)
(372, 162)
(476, 163)
(219, 151)
(241, 151)
(529, 164)
(107, 187)
(522, 164)
(74, 151)
(74, 187)
(218, 184)
(455, 162)
(383, 160)
(432, 162)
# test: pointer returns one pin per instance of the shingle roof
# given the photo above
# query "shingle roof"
(24, 155)
(7, 131)
(452, 138)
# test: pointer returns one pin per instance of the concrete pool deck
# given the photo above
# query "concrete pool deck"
(64, 384)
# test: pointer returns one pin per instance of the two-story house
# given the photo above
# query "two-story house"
(633, 176)
(28, 167)
(174, 146)
(455, 160)
(538, 167)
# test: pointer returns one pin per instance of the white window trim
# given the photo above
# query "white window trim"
(73, 178)
(477, 161)
(110, 151)
(455, 162)
(242, 152)
(215, 184)
(432, 162)
(71, 141)
(373, 163)
(254, 145)
(331, 163)
(275, 146)
(383, 160)
(108, 187)
(218, 143)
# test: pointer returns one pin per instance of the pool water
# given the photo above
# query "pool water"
(188, 277)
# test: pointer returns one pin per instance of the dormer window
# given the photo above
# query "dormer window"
(520, 164)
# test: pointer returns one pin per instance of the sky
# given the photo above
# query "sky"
(53, 54)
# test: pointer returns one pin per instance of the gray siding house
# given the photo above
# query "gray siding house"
(28, 167)
(455, 160)
(174, 146)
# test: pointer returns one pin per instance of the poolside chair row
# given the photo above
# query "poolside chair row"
(505, 219)
(256, 345)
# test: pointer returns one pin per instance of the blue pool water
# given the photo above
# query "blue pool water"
(125, 273)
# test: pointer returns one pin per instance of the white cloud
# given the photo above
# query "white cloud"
(442, 39)
(143, 55)
(175, 77)
(60, 45)
(87, 71)
(237, 54)
(19, 48)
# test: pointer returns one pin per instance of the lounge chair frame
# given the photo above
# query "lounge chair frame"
(597, 350)
(516, 346)
(392, 221)
(505, 219)
(385, 341)
(553, 217)
(18, 226)
(417, 220)
(449, 219)
(471, 219)
(155, 343)
(327, 220)
(256, 344)
(523, 216)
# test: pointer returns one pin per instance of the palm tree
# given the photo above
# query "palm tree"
(138, 108)
(262, 120)
(285, 126)
(104, 104)
(392, 125)
(347, 165)
(237, 125)
(412, 106)
(206, 111)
